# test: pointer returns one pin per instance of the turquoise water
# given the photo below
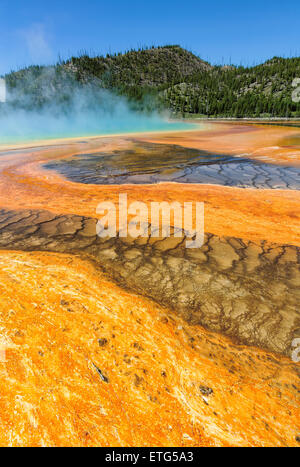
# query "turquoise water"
(89, 112)
(24, 127)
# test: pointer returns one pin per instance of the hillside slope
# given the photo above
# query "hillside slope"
(166, 77)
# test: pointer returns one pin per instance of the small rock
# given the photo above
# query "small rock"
(102, 342)
(206, 391)
(137, 346)
(102, 376)
(205, 400)
(138, 380)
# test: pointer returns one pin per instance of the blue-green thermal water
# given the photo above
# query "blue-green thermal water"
(89, 111)
(19, 127)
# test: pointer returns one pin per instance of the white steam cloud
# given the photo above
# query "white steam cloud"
(2, 90)
(37, 43)
(49, 105)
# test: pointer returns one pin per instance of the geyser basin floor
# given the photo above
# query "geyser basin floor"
(266, 143)
(151, 163)
(214, 286)
(62, 317)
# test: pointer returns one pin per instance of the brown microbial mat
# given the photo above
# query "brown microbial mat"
(245, 290)
(152, 163)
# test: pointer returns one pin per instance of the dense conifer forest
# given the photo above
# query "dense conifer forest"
(168, 77)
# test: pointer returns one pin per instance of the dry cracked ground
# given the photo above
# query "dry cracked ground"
(245, 290)
(172, 163)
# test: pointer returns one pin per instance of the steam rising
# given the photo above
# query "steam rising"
(45, 103)
(2, 90)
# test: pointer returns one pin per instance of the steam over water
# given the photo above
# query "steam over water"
(74, 111)
(30, 126)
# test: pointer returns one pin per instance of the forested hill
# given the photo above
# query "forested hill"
(167, 77)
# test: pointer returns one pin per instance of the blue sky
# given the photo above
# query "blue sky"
(233, 31)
